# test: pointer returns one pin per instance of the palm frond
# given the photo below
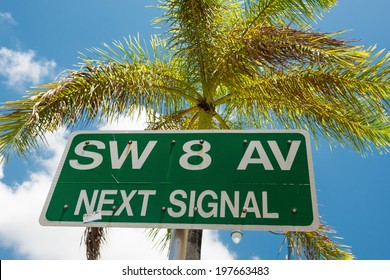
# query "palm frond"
(348, 105)
(318, 245)
(178, 121)
(274, 48)
(300, 13)
(160, 241)
(99, 89)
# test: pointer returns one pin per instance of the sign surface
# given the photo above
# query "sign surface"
(215, 179)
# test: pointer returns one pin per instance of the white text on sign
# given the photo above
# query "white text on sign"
(138, 159)
(181, 203)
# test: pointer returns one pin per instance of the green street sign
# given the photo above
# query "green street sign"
(223, 179)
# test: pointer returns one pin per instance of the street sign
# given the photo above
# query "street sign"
(207, 179)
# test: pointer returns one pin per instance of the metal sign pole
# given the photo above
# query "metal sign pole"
(178, 244)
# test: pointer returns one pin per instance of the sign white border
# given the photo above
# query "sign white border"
(314, 226)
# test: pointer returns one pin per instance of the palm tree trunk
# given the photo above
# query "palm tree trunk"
(194, 244)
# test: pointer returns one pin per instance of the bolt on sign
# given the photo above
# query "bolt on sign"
(224, 179)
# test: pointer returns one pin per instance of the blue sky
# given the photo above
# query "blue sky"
(40, 39)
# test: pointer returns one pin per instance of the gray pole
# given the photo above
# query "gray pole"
(178, 244)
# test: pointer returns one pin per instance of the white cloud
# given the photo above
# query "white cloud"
(20, 207)
(213, 248)
(1, 170)
(6, 18)
(19, 68)
(133, 122)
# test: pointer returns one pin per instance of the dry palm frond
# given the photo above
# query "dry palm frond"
(94, 238)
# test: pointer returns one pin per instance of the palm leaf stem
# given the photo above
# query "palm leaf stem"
(221, 121)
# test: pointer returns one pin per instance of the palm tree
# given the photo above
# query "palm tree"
(222, 64)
